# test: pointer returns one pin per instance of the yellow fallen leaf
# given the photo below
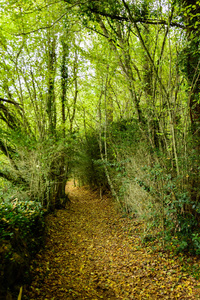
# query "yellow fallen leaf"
(81, 268)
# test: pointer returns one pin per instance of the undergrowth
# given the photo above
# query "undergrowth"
(24, 218)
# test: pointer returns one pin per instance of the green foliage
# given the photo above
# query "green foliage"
(24, 219)
(22, 228)
(182, 223)
(125, 133)
(189, 57)
(177, 215)
(88, 164)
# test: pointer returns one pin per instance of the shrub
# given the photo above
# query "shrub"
(22, 232)
(25, 217)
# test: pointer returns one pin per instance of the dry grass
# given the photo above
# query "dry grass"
(135, 197)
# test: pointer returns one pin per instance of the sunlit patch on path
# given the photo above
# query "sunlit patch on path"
(92, 252)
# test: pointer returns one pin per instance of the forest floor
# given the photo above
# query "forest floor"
(93, 252)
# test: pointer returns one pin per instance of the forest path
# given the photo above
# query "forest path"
(92, 252)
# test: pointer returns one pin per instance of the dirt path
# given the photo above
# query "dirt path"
(94, 253)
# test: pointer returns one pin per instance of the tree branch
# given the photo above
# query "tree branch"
(138, 20)
(12, 102)
(49, 26)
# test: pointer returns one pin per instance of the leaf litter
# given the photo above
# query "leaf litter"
(93, 252)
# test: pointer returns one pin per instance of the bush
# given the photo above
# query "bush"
(24, 217)
(182, 223)
(22, 232)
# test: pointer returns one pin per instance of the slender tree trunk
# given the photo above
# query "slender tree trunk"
(64, 81)
(75, 71)
(51, 106)
(104, 156)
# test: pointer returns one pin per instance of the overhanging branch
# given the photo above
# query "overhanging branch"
(10, 101)
(139, 20)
